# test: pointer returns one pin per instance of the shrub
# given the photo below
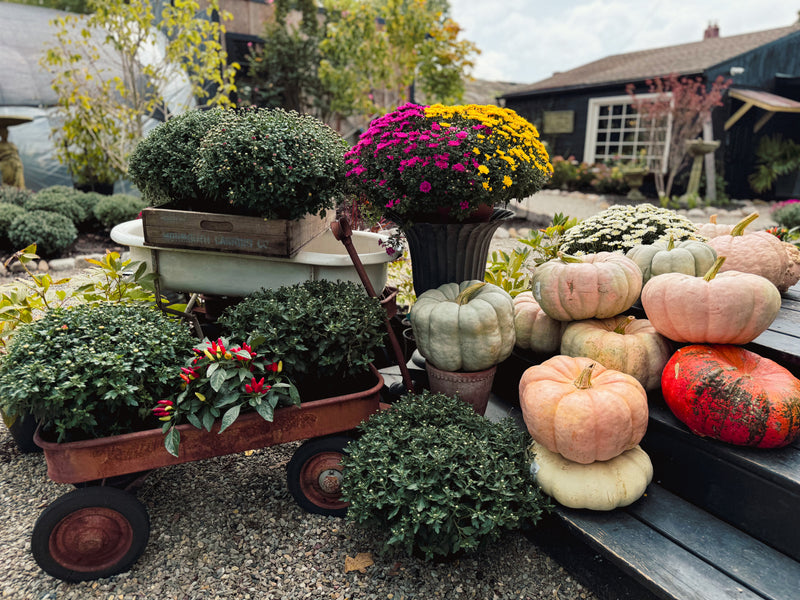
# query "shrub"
(93, 370)
(608, 179)
(8, 212)
(622, 227)
(162, 164)
(111, 210)
(87, 201)
(788, 215)
(14, 195)
(59, 199)
(569, 174)
(272, 163)
(318, 328)
(439, 477)
(51, 232)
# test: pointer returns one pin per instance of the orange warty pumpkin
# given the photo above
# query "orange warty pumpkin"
(581, 410)
(731, 394)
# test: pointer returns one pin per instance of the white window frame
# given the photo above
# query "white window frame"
(593, 117)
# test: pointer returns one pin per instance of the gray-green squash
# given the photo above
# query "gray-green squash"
(466, 326)
(689, 257)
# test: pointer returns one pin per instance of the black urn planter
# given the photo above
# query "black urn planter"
(451, 252)
(22, 430)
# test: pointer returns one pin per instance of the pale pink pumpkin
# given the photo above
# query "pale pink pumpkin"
(623, 343)
(581, 410)
(713, 229)
(601, 285)
(720, 308)
(760, 253)
(535, 330)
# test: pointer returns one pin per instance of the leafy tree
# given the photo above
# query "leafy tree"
(283, 71)
(107, 89)
(687, 103)
(375, 49)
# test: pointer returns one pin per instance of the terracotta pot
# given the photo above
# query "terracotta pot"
(473, 388)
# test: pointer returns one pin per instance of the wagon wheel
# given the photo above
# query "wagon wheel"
(314, 475)
(90, 533)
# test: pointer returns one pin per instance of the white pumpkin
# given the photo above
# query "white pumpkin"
(601, 485)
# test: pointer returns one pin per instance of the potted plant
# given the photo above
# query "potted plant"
(777, 164)
(92, 370)
(221, 166)
(463, 331)
(325, 333)
(437, 478)
(426, 167)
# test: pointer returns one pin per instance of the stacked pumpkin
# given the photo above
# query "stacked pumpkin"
(586, 408)
(714, 386)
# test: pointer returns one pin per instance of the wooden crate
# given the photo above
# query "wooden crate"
(230, 233)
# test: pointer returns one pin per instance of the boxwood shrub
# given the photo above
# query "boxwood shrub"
(58, 199)
(112, 210)
(14, 195)
(51, 232)
(8, 212)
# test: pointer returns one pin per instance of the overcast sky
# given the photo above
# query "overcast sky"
(524, 41)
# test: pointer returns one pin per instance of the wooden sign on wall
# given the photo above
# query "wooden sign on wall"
(558, 121)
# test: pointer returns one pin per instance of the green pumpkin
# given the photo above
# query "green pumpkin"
(689, 257)
(465, 326)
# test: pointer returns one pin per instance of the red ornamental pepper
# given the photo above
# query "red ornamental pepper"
(163, 410)
(275, 367)
(256, 387)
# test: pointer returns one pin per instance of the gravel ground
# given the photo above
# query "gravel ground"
(228, 528)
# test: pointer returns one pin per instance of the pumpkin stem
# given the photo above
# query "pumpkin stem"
(740, 226)
(568, 258)
(584, 380)
(712, 272)
(624, 324)
(671, 243)
(469, 293)
(712, 219)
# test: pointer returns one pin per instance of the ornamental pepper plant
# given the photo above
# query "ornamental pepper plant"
(418, 160)
(220, 380)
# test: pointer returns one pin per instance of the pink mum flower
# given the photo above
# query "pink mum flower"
(424, 187)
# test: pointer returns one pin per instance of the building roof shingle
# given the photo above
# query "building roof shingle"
(684, 59)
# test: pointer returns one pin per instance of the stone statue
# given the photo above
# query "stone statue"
(10, 162)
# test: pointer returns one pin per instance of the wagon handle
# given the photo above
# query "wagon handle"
(344, 233)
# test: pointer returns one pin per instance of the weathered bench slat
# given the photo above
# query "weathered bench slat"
(660, 565)
(753, 564)
(781, 465)
(760, 499)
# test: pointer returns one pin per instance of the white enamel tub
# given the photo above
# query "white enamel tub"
(228, 274)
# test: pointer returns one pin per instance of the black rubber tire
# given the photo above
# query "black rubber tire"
(65, 547)
(314, 462)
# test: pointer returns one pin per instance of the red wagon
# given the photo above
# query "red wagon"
(101, 528)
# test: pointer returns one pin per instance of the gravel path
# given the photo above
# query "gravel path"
(228, 528)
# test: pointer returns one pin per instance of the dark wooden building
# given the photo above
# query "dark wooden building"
(581, 112)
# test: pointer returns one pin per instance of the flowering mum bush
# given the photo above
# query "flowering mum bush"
(220, 380)
(621, 227)
(419, 160)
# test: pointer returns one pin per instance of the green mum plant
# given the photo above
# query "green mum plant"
(320, 329)
(92, 370)
(621, 227)
(219, 381)
(438, 477)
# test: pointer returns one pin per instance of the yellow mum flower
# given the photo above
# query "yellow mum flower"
(507, 181)
(486, 186)
(476, 151)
